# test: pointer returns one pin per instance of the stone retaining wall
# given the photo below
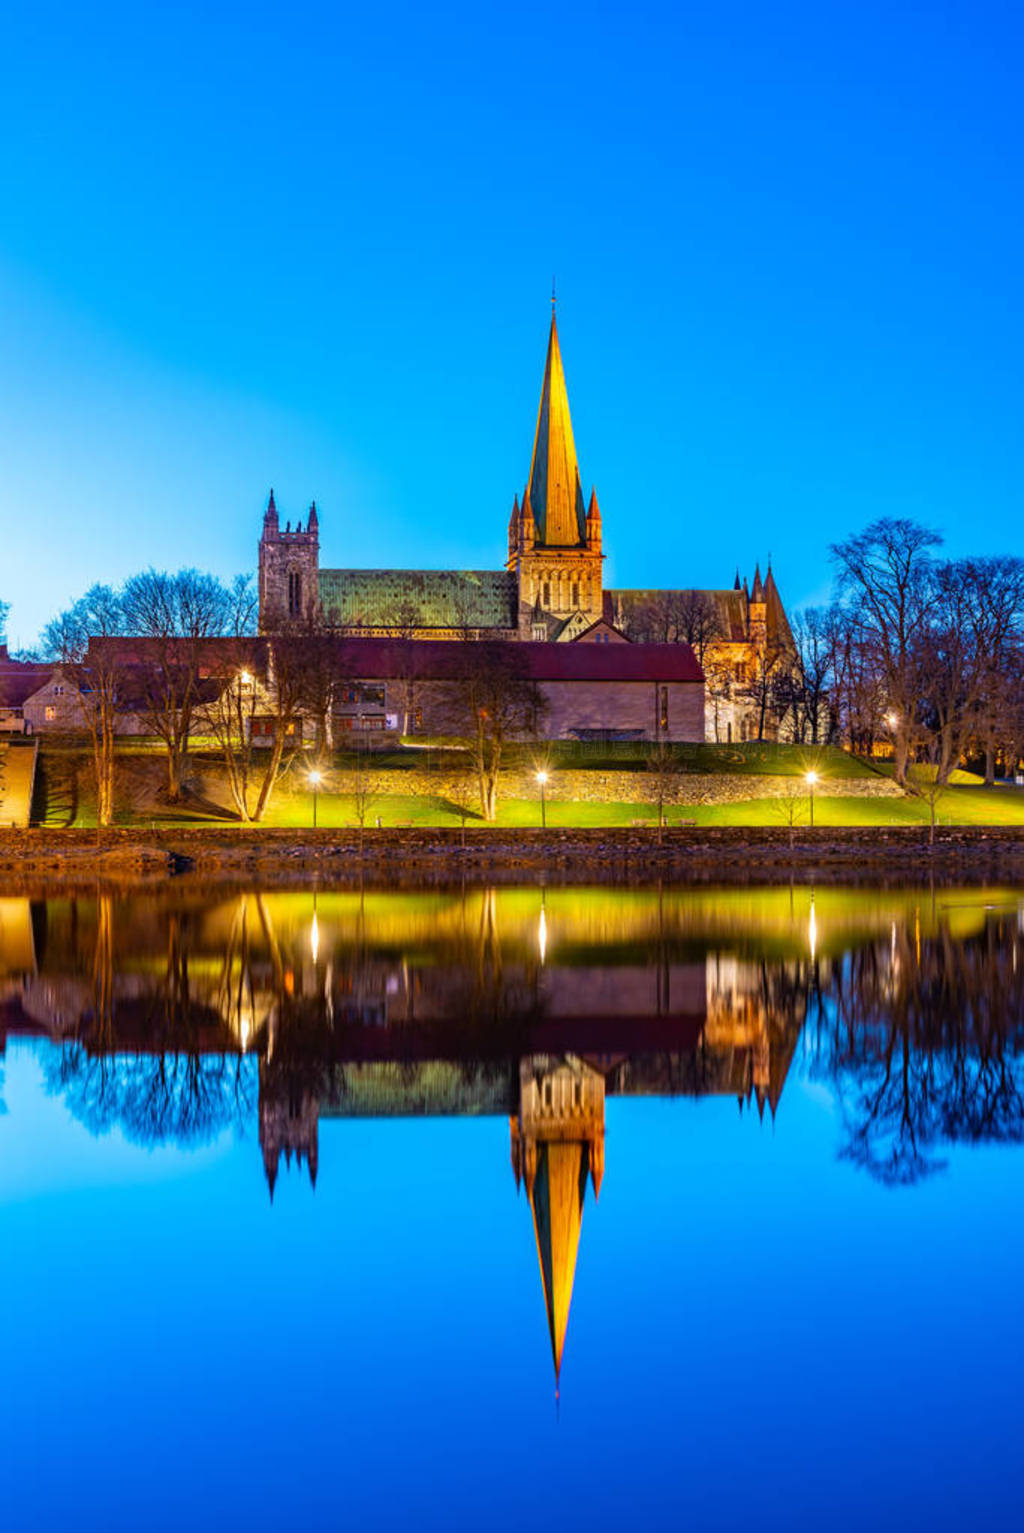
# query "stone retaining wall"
(45, 860)
(602, 787)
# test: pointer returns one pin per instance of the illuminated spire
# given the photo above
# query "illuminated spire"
(556, 495)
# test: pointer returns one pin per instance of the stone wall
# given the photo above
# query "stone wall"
(39, 861)
(596, 787)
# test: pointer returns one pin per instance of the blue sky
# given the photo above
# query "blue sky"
(313, 247)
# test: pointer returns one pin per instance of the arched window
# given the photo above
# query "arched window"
(294, 593)
(547, 594)
(575, 593)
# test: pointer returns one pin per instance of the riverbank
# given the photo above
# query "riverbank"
(416, 857)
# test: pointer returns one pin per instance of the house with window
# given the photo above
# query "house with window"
(19, 680)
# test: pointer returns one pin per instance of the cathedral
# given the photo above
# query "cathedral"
(550, 589)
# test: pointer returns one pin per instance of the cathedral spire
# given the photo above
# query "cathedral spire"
(556, 494)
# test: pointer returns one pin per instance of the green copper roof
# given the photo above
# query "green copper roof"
(420, 598)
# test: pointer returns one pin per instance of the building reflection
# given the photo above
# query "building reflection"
(177, 1018)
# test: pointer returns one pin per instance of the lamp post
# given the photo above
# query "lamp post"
(542, 778)
(315, 779)
(810, 779)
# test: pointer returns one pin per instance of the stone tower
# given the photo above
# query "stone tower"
(554, 539)
(289, 564)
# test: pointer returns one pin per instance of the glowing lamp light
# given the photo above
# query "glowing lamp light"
(315, 779)
(892, 719)
(810, 778)
(542, 778)
(245, 678)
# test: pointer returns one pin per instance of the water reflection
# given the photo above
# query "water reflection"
(179, 1017)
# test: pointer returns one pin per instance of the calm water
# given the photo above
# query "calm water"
(300, 1228)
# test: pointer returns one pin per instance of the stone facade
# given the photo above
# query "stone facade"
(289, 564)
(649, 692)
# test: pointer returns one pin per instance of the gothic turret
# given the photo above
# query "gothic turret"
(513, 530)
(528, 530)
(594, 523)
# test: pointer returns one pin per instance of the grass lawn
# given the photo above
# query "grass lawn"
(58, 800)
(626, 755)
(958, 806)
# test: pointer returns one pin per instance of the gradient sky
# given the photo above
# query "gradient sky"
(313, 247)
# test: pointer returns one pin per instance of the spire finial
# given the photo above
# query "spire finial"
(552, 297)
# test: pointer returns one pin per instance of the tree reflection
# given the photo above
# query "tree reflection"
(155, 1099)
(165, 1005)
(926, 1048)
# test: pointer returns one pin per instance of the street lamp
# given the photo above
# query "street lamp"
(542, 778)
(315, 779)
(810, 779)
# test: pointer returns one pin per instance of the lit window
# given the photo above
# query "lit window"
(664, 707)
(51, 712)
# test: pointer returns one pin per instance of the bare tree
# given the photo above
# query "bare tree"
(767, 669)
(97, 674)
(806, 683)
(996, 622)
(261, 683)
(664, 767)
(884, 579)
(178, 615)
(361, 786)
(230, 717)
(697, 621)
(494, 703)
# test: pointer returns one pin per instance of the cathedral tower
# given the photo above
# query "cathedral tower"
(289, 564)
(554, 539)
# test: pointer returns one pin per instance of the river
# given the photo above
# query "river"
(507, 1208)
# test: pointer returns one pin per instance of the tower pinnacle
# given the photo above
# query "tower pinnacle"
(556, 494)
